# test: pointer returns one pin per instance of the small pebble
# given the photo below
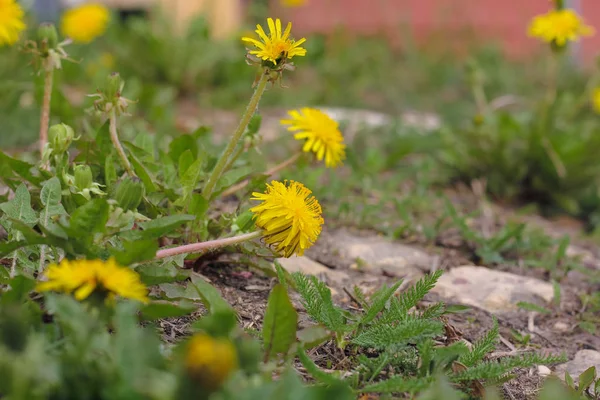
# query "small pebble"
(561, 326)
(543, 371)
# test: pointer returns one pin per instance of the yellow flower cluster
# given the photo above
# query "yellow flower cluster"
(320, 134)
(278, 46)
(85, 23)
(289, 216)
(11, 22)
(559, 27)
(210, 361)
(596, 100)
(84, 277)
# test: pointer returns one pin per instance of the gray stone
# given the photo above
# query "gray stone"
(493, 291)
(309, 267)
(582, 361)
(373, 254)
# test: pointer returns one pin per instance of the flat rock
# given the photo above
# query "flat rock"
(372, 254)
(582, 361)
(493, 291)
(309, 267)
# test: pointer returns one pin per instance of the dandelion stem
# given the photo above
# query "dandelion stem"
(269, 172)
(45, 113)
(237, 135)
(114, 137)
(204, 246)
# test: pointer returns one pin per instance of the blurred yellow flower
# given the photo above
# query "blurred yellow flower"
(83, 277)
(104, 63)
(289, 216)
(320, 134)
(293, 3)
(277, 46)
(596, 100)
(209, 361)
(559, 27)
(85, 23)
(11, 22)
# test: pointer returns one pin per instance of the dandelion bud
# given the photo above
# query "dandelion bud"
(83, 177)
(209, 361)
(129, 193)
(47, 33)
(61, 136)
(113, 87)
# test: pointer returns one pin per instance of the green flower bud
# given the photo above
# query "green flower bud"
(129, 193)
(47, 32)
(60, 137)
(113, 87)
(83, 177)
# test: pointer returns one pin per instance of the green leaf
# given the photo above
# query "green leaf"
(110, 172)
(103, 143)
(532, 307)
(279, 325)
(135, 252)
(313, 336)
(190, 179)
(10, 166)
(19, 208)
(185, 162)
(20, 286)
(198, 205)
(179, 291)
(586, 378)
(142, 172)
(378, 301)
(158, 310)
(233, 176)
(211, 298)
(88, 219)
(315, 371)
(163, 271)
(180, 145)
(158, 227)
(50, 197)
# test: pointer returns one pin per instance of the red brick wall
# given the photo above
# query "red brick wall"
(455, 22)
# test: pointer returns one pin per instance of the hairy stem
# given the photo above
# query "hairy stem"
(204, 246)
(114, 137)
(269, 172)
(45, 113)
(237, 135)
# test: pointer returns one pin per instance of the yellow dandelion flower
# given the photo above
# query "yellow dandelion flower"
(85, 23)
(11, 22)
(83, 277)
(293, 3)
(559, 27)
(210, 360)
(320, 133)
(289, 216)
(278, 46)
(596, 100)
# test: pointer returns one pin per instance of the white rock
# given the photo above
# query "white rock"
(543, 371)
(491, 290)
(582, 361)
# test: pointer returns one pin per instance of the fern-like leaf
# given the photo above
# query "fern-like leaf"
(494, 370)
(378, 301)
(316, 299)
(400, 305)
(481, 347)
(408, 331)
(399, 384)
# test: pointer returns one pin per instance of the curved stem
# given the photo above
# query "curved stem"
(114, 137)
(45, 113)
(204, 246)
(220, 166)
(269, 172)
